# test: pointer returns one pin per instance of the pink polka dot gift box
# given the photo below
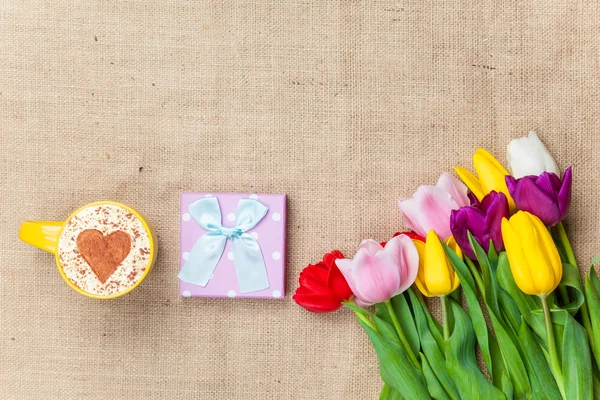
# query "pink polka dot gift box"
(232, 245)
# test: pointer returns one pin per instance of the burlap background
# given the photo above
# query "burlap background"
(346, 106)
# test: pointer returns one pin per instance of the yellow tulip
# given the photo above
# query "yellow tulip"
(490, 176)
(436, 276)
(532, 254)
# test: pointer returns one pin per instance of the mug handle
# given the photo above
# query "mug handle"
(41, 234)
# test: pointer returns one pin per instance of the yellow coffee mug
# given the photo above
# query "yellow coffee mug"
(63, 238)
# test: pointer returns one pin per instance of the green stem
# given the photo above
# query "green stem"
(550, 341)
(403, 340)
(445, 322)
(585, 315)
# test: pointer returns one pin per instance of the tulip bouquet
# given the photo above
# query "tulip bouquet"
(495, 254)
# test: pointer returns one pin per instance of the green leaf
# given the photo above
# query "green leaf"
(431, 349)
(510, 311)
(506, 337)
(560, 247)
(387, 331)
(500, 379)
(596, 259)
(492, 254)
(461, 361)
(434, 326)
(507, 386)
(596, 387)
(576, 362)
(394, 365)
(436, 390)
(487, 274)
(512, 358)
(456, 295)
(592, 294)
(543, 385)
(594, 279)
(387, 393)
(475, 274)
(481, 330)
(572, 279)
(405, 319)
(526, 304)
(504, 316)
(358, 309)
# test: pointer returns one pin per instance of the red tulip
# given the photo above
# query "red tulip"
(323, 288)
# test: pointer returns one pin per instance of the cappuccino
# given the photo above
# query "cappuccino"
(104, 249)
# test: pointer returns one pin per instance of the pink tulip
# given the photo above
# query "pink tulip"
(377, 273)
(430, 206)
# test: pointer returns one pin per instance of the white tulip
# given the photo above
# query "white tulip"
(529, 156)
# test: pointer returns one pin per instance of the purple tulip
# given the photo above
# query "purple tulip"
(483, 220)
(544, 196)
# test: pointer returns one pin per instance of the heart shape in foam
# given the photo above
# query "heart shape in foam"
(103, 253)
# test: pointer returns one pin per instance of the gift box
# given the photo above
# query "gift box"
(232, 245)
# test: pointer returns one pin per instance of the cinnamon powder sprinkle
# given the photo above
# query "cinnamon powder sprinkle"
(106, 219)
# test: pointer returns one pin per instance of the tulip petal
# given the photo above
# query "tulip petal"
(403, 251)
(564, 195)
(362, 303)
(518, 264)
(345, 266)
(489, 170)
(548, 182)
(529, 197)
(314, 278)
(471, 181)
(528, 156)
(429, 209)
(547, 160)
(522, 160)
(376, 276)
(465, 220)
(420, 279)
(372, 278)
(371, 246)
(457, 190)
(491, 174)
(436, 272)
(474, 200)
(338, 284)
(316, 303)
(537, 254)
(329, 258)
(411, 235)
(302, 290)
(451, 242)
(495, 206)
(548, 270)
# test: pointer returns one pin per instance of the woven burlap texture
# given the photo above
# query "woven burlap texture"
(345, 106)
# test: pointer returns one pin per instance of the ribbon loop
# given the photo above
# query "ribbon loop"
(249, 213)
(208, 250)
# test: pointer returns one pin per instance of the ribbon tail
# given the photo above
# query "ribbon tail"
(249, 264)
(204, 257)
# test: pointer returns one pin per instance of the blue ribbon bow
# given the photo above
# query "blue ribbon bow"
(247, 256)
